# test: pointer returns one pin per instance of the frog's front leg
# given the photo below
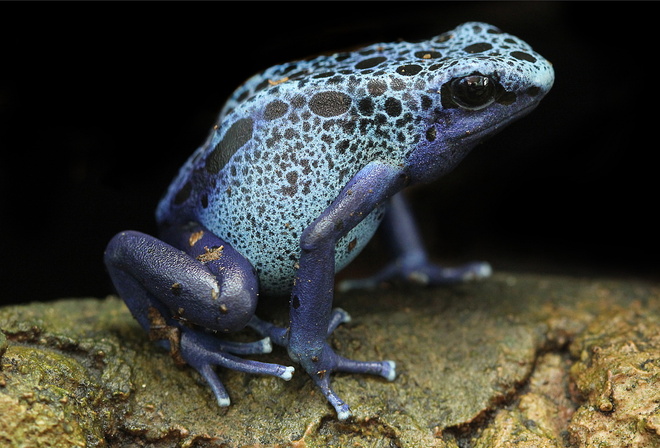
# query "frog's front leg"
(311, 315)
(180, 296)
(411, 261)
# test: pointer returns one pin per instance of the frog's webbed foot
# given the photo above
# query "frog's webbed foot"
(202, 351)
(421, 272)
(320, 364)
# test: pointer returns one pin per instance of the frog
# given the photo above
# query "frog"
(306, 160)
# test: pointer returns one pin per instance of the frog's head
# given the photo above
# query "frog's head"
(488, 80)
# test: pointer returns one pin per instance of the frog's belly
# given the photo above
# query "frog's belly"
(268, 234)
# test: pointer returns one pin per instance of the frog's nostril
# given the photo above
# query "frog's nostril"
(545, 78)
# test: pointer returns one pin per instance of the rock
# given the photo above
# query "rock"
(516, 360)
(618, 377)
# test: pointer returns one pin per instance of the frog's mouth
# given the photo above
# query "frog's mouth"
(481, 132)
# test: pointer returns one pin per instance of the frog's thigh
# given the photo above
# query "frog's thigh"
(150, 273)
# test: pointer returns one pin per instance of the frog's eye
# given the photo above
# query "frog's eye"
(472, 92)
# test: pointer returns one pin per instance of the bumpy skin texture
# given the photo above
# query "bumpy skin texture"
(302, 166)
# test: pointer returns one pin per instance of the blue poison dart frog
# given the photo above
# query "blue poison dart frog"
(305, 161)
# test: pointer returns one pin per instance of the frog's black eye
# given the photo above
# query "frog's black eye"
(471, 92)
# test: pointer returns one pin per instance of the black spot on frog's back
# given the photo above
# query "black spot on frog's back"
(275, 109)
(409, 69)
(478, 47)
(524, 56)
(236, 136)
(393, 107)
(330, 103)
(376, 87)
(369, 63)
(183, 194)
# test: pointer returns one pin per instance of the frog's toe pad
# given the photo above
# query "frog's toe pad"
(223, 402)
(266, 346)
(430, 274)
(341, 315)
(477, 271)
(343, 413)
(287, 374)
(389, 370)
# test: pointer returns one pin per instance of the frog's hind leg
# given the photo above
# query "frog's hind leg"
(181, 297)
(411, 262)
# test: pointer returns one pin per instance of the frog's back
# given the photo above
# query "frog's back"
(290, 138)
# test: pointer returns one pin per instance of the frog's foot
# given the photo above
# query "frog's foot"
(421, 272)
(320, 364)
(202, 351)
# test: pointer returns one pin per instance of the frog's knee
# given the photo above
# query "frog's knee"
(225, 304)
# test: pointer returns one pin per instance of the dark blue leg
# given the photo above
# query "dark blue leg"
(280, 335)
(178, 296)
(311, 316)
(411, 261)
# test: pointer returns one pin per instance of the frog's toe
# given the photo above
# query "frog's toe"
(386, 369)
(215, 384)
(422, 273)
(389, 273)
(338, 317)
(201, 349)
(341, 408)
(332, 362)
(278, 335)
(389, 370)
(436, 275)
(246, 348)
(477, 271)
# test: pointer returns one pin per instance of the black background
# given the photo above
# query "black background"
(100, 103)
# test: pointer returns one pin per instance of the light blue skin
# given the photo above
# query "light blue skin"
(306, 160)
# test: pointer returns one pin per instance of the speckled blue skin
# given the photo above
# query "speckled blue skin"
(304, 163)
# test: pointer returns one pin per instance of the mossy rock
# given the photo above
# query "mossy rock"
(516, 360)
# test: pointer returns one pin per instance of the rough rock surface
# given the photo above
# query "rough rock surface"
(517, 360)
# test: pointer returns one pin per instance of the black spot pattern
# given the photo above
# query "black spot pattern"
(523, 56)
(376, 87)
(479, 47)
(275, 109)
(183, 194)
(369, 63)
(428, 54)
(409, 69)
(330, 103)
(393, 107)
(236, 136)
